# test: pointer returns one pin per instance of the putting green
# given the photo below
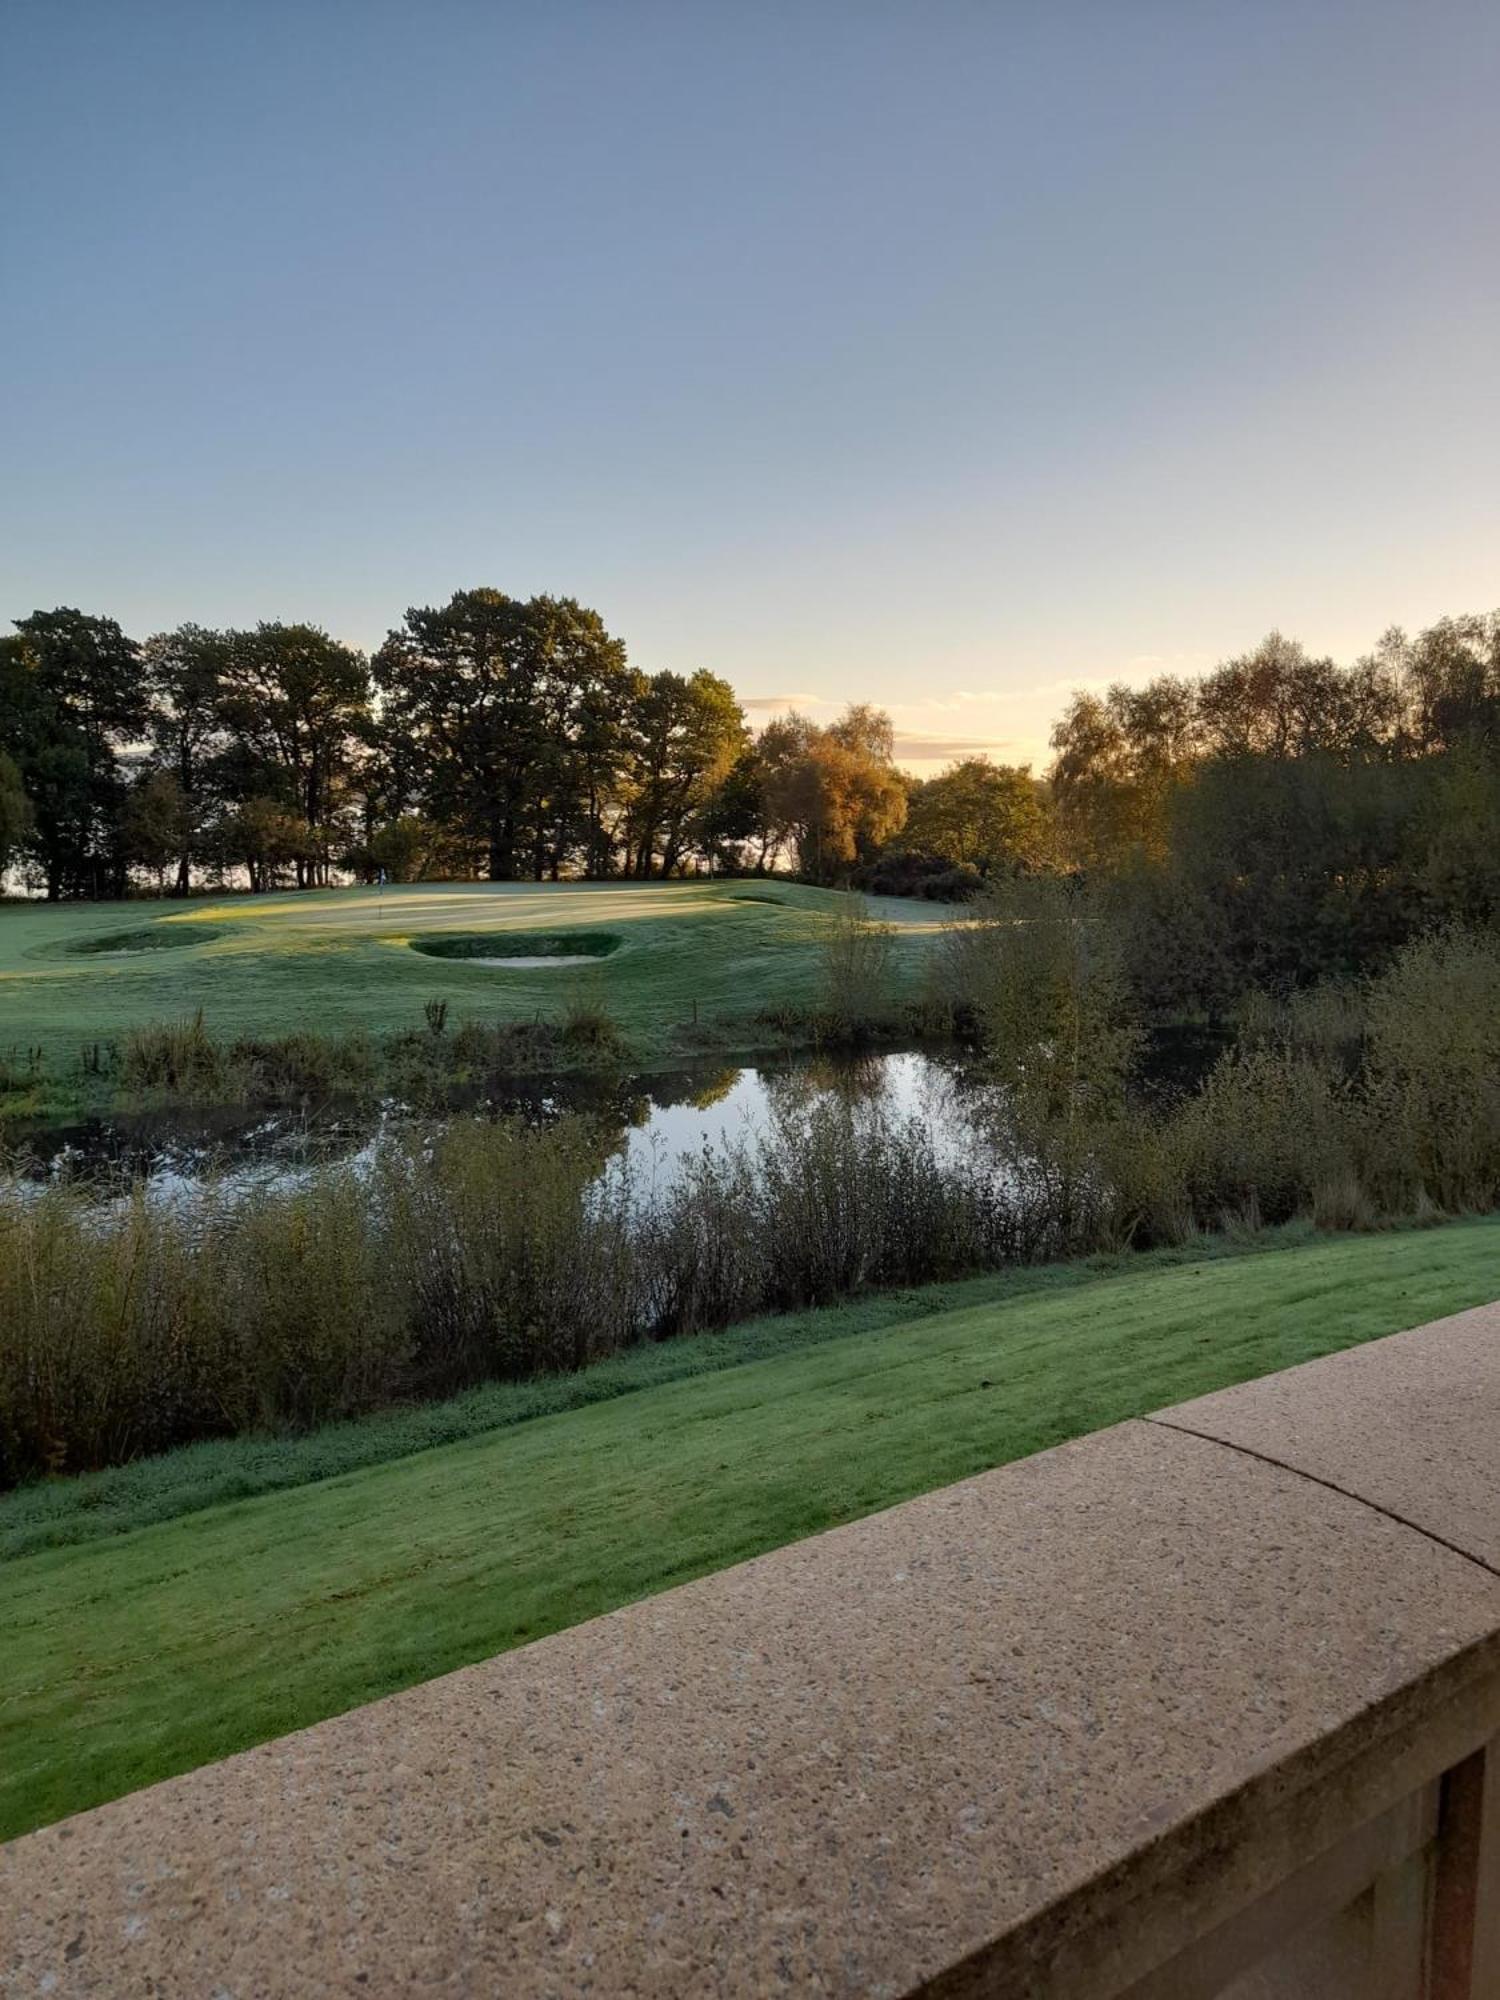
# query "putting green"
(661, 955)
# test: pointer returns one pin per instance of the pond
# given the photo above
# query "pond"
(654, 1120)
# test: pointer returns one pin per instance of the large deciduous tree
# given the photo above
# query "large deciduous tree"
(72, 698)
(1449, 682)
(294, 701)
(686, 734)
(157, 826)
(188, 680)
(993, 818)
(511, 712)
(835, 791)
(15, 813)
(1117, 760)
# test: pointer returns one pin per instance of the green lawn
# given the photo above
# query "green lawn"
(131, 1657)
(340, 959)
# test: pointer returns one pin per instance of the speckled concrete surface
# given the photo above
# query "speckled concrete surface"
(1411, 1424)
(848, 1767)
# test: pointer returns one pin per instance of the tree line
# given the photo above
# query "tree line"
(1284, 820)
(489, 736)
(1280, 818)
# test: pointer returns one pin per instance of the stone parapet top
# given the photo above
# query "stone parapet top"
(1410, 1424)
(1030, 1734)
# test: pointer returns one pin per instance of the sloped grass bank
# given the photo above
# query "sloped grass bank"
(147, 1653)
(147, 937)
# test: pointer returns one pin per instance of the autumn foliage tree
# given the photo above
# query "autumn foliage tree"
(993, 819)
(1283, 819)
(835, 792)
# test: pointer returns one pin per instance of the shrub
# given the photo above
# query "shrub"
(858, 971)
(1433, 1073)
(510, 1258)
(22, 1070)
(1268, 1130)
(179, 1056)
(300, 1066)
(1040, 974)
(587, 1022)
(923, 875)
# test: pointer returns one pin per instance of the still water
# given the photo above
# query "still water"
(654, 1121)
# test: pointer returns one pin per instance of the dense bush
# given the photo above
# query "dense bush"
(1267, 1133)
(1433, 1074)
(1344, 1103)
(898, 873)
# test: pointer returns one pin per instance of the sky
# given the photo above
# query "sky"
(943, 355)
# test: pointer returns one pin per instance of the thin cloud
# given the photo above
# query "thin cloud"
(950, 704)
(926, 749)
(933, 705)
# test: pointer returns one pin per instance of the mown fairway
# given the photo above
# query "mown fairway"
(132, 1657)
(338, 959)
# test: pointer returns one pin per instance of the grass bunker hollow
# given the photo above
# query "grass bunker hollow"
(519, 950)
(151, 937)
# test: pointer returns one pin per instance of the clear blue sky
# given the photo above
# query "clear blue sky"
(942, 354)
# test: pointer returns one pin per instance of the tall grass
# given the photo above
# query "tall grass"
(184, 1060)
(452, 1256)
(124, 1333)
(859, 972)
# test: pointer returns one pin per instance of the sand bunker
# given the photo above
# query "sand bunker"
(524, 964)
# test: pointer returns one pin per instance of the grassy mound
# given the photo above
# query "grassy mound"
(517, 944)
(150, 937)
(130, 1658)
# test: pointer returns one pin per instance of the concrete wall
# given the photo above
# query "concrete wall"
(1207, 1704)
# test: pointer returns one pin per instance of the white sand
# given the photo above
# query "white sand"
(522, 964)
